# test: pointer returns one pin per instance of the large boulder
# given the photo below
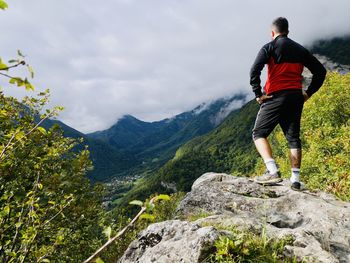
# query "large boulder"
(319, 223)
(172, 241)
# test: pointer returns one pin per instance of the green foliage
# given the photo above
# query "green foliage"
(136, 202)
(115, 165)
(242, 246)
(150, 206)
(325, 136)
(118, 218)
(49, 210)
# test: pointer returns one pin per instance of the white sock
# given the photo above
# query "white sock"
(295, 175)
(271, 165)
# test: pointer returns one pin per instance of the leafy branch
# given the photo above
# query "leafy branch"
(14, 135)
(144, 207)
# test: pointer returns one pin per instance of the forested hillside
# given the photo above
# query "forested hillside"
(107, 161)
(337, 49)
(228, 148)
(154, 143)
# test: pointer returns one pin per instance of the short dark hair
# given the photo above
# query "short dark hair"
(280, 25)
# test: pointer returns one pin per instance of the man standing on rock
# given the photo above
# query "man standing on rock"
(283, 98)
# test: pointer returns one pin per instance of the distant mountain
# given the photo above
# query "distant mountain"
(228, 148)
(131, 146)
(153, 143)
(126, 132)
(107, 160)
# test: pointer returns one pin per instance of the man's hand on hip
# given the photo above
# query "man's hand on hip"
(262, 98)
(306, 97)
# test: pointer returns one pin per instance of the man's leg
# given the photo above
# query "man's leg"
(290, 124)
(295, 157)
(266, 120)
(264, 149)
(295, 161)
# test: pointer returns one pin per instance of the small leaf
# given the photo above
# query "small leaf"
(147, 216)
(13, 80)
(3, 5)
(17, 80)
(40, 186)
(99, 260)
(3, 66)
(30, 193)
(28, 85)
(42, 130)
(150, 207)
(19, 52)
(107, 231)
(136, 202)
(6, 210)
(31, 71)
(162, 197)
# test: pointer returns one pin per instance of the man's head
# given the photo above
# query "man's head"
(279, 27)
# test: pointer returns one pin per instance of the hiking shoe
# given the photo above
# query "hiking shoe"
(268, 179)
(296, 186)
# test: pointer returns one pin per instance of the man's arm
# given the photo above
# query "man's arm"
(318, 73)
(255, 71)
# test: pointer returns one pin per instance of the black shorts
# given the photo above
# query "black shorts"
(284, 108)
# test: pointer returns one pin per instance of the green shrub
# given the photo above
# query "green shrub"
(243, 246)
(325, 133)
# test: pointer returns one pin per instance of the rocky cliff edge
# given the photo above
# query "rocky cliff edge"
(318, 222)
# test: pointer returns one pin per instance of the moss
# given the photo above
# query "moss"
(201, 214)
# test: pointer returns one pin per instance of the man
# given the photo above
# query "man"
(283, 98)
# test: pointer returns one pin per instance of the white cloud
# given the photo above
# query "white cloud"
(154, 58)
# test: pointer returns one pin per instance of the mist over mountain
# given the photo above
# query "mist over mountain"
(132, 146)
(159, 140)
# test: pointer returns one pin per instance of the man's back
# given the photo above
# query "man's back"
(285, 59)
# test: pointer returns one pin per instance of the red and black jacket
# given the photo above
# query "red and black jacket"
(286, 60)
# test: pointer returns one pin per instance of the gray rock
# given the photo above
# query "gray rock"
(319, 223)
(172, 241)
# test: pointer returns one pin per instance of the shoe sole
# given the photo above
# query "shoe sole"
(296, 186)
(269, 182)
(296, 189)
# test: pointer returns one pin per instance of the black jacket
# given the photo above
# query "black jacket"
(285, 59)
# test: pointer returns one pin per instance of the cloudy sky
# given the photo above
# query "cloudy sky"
(150, 58)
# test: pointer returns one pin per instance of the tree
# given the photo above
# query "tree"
(48, 209)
